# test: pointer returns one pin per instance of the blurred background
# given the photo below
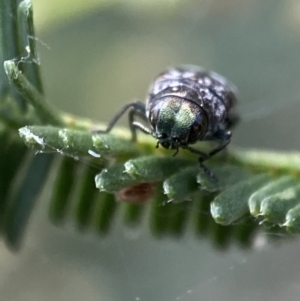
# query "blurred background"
(98, 55)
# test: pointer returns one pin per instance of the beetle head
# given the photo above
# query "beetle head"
(177, 122)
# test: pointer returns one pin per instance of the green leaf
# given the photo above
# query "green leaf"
(152, 169)
(227, 176)
(275, 207)
(232, 203)
(63, 187)
(182, 185)
(274, 187)
(292, 220)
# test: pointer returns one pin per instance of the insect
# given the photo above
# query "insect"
(185, 105)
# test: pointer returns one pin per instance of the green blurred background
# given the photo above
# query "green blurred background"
(97, 55)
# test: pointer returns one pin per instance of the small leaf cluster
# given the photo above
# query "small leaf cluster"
(266, 186)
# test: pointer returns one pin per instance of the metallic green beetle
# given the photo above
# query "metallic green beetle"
(185, 105)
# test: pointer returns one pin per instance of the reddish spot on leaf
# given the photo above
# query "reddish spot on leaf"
(137, 194)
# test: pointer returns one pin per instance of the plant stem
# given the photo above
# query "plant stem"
(49, 113)
(28, 45)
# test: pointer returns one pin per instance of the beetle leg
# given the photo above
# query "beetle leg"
(207, 171)
(176, 152)
(225, 138)
(136, 108)
(203, 155)
(137, 125)
(134, 125)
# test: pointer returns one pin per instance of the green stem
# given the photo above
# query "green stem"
(114, 145)
(28, 43)
(10, 44)
(259, 160)
(49, 113)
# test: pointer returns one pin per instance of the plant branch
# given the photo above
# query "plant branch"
(49, 113)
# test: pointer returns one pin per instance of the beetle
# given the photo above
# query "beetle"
(185, 105)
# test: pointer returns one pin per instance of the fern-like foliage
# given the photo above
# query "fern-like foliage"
(262, 184)
(119, 177)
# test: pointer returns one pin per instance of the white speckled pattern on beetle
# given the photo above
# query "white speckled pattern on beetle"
(208, 89)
